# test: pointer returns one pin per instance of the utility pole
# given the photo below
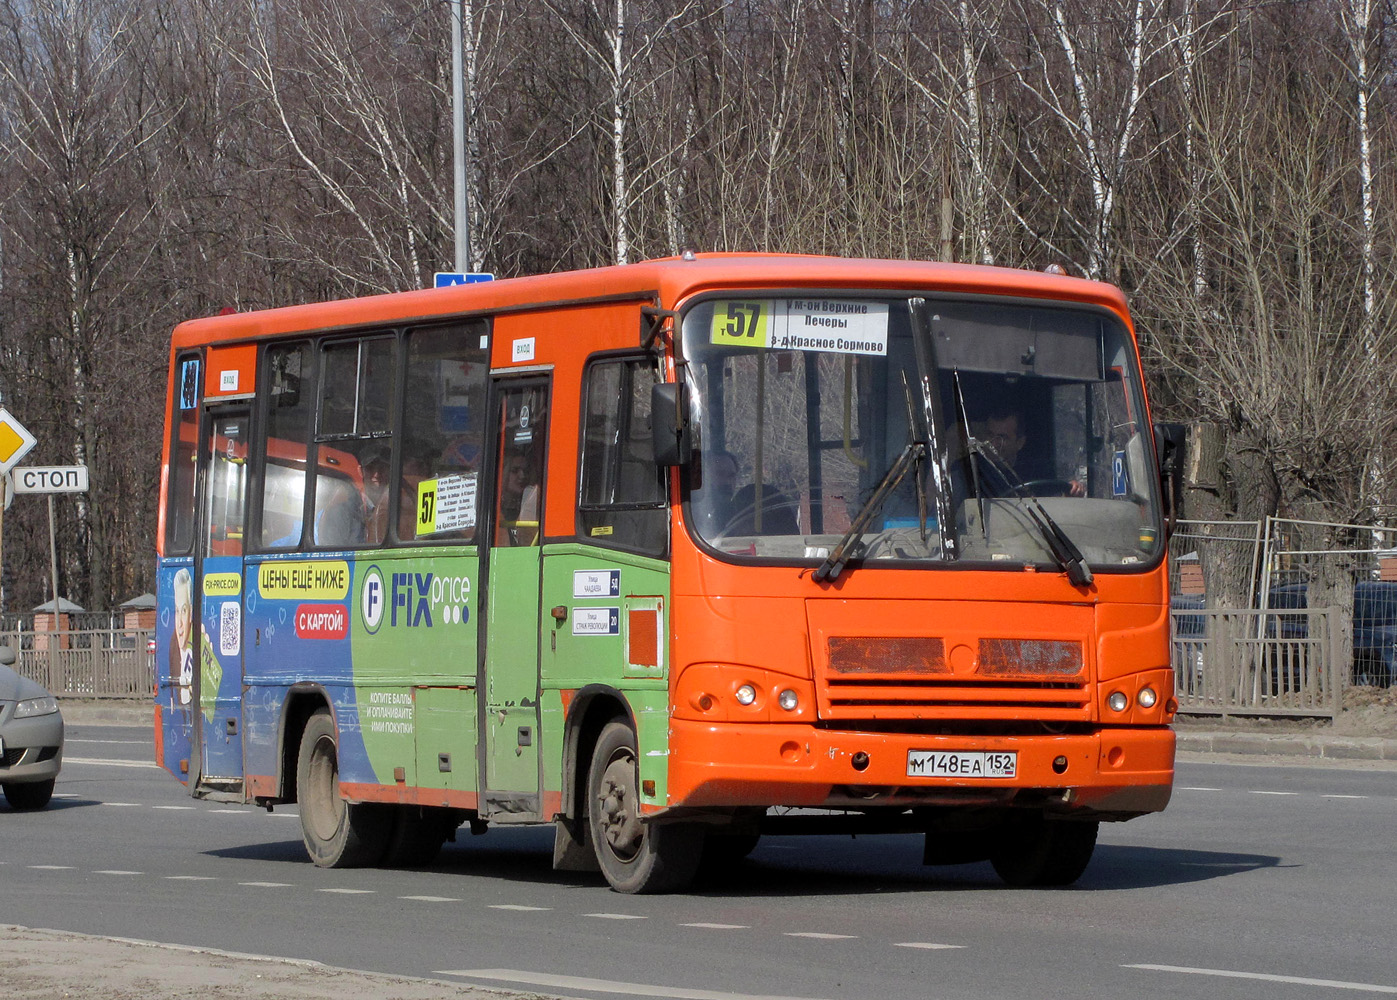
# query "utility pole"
(458, 138)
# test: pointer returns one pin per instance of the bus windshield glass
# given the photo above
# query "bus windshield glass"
(919, 430)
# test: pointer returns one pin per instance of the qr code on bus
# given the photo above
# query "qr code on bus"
(229, 628)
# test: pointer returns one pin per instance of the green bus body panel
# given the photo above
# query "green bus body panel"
(511, 671)
(415, 664)
(586, 648)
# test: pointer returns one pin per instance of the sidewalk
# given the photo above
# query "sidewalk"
(1370, 736)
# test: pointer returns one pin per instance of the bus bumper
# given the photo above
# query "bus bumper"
(1114, 773)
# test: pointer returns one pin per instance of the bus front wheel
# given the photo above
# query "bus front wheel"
(635, 857)
(1032, 850)
(337, 834)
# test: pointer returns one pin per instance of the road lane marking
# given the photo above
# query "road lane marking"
(928, 945)
(1258, 791)
(1198, 788)
(521, 909)
(1343, 796)
(431, 899)
(115, 871)
(175, 808)
(267, 885)
(232, 812)
(1268, 977)
(191, 878)
(121, 805)
(52, 868)
(350, 892)
(111, 763)
(818, 936)
(720, 927)
(603, 985)
(615, 916)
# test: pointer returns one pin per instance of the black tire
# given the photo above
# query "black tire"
(635, 857)
(1034, 851)
(417, 836)
(337, 834)
(30, 795)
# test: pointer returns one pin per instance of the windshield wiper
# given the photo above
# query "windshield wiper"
(1064, 550)
(841, 553)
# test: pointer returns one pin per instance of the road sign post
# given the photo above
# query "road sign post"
(15, 443)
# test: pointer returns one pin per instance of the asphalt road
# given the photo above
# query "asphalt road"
(1266, 881)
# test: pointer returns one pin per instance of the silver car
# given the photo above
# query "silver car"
(31, 738)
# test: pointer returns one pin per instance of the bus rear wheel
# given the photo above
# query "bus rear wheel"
(1032, 850)
(635, 857)
(337, 834)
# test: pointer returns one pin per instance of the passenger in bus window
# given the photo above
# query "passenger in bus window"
(518, 502)
(376, 499)
(339, 518)
(728, 509)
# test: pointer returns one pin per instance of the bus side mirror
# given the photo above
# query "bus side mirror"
(1169, 441)
(671, 433)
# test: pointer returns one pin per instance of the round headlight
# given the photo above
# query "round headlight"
(1118, 701)
(1147, 697)
(788, 700)
(745, 695)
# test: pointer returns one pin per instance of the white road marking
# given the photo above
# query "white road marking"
(431, 899)
(1337, 984)
(52, 868)
(111, 763)
(115, 871)
(267, 885)
(615, 916)
(521, 909)
(1198, 788)
(175, 808)
(1343, 796)
(720, 927)
(232, 812)
(191, 878)
(928, 945)
(350, 892)
(820, 937)
(1258, 791)
(122, 805)
(112, 743)
(602, 985)
(64, 795)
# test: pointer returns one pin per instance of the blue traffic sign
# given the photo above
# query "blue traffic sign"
(443, 279)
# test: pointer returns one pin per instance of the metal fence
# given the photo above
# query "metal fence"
(1257, 663)
(86, 663)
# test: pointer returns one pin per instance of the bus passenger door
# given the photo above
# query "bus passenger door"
(509, 724)
(218, 593)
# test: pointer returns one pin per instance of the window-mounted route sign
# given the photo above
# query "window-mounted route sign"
(15, 441)
(51, 479)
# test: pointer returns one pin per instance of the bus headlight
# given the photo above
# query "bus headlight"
(745, 695)
(788, 700)
(1118, 702)
(1147, 697)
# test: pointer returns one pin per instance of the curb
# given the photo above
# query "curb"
(1289, 745)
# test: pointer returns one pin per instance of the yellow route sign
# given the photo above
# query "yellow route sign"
(15, 441)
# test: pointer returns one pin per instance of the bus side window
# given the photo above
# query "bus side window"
(184, 449)
(289, 411)
(622, 500)
(443, 433)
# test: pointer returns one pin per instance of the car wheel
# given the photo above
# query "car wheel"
(635, 857)
(337, 834)
(30, 795)
(1034, 851)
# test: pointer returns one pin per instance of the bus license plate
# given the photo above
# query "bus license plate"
(961, 764)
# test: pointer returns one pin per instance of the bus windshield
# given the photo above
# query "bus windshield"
(919, 430)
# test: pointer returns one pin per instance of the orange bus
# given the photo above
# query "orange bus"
(670, 556)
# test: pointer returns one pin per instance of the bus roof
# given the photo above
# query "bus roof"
(670, 279)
